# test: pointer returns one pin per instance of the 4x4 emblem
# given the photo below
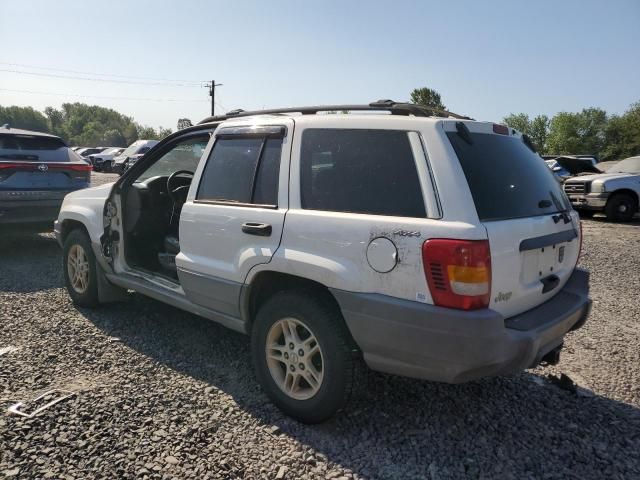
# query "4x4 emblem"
(43, 167)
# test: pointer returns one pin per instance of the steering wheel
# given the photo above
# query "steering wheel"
(173, 191)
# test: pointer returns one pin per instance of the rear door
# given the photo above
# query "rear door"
(234, 214)
(534, 235)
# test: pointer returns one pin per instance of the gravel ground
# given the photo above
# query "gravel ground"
(164, 394)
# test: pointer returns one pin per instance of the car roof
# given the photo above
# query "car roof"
(5, 130)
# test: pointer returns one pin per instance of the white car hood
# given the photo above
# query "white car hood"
(100, 192)
(599, 176)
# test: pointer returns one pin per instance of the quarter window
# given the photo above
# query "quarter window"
(360, 171)
(242, 170)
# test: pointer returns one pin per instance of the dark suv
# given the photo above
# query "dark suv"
(36, 171)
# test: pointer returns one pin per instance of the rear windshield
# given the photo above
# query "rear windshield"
(33, 148)
(29, 142)
(506, 178)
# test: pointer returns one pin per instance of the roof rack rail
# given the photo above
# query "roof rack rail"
(395, 108)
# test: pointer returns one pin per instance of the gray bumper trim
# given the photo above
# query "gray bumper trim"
(424, 341)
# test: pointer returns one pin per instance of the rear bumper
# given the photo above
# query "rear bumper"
(30, 207)
(434, 343)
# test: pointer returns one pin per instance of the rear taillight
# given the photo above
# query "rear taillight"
(76, 167)
(458, 272)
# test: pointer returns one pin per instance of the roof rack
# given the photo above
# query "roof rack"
(395, 108)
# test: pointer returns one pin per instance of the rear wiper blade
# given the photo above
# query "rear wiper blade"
(562, 209)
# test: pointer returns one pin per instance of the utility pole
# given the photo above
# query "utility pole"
(212, 93)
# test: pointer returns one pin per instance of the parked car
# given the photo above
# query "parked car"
(616, 192)
(119, 163)
(571, 165)
(102, 161)
(36, 171)
(86, 151)
(332, 239)
(133, 159)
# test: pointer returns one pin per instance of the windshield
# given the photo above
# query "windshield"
(507, 180)
(131, 149)
(629, 165)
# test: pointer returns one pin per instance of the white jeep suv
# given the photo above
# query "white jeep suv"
(438, 248)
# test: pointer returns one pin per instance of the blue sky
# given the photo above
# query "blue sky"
(487, 59)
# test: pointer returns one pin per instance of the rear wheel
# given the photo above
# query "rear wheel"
(621, 207)
(79, 266)
(302, 355)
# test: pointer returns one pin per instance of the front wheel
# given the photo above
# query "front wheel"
(302, 355)
(79, 266)
(621, 207)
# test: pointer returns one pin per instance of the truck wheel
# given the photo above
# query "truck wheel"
(621, 207)
(79, 266)
(302, 355)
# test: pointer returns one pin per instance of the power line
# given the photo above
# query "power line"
(53, 75)
(100, 74)
(101, 96)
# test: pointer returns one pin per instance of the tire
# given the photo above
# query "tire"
(621, 207)
(336, 356)
(78, 245)
(107, 167)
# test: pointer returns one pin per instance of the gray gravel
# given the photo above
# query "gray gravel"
(164, 394)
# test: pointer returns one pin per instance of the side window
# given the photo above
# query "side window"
(360, 171)
(242, 170)
(183, 155)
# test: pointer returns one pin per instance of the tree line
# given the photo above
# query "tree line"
(590, 131)
(82, 124)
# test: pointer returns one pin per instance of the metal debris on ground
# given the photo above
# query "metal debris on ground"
(8, 349)
(61, 395)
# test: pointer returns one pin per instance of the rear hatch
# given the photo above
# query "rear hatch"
(533, 233)
(42, 163)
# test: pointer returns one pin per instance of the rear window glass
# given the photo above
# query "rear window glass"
(29, 142)
(360, 171)
(507, 179)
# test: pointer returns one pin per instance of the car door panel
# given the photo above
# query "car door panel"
(221, 241)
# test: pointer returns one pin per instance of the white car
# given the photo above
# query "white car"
(119, 163)
(336, 239)
(102, 161)
(616, 192)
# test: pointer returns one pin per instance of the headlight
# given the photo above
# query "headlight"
(598, 187)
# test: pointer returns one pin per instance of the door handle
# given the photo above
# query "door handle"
(254, 228)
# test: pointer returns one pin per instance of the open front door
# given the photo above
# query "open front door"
(235, 210)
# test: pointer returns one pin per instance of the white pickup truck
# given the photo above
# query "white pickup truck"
(616, 193)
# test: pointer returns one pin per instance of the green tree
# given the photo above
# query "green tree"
(536, 129)
(538, 132)
(24, 117)
(150, 133)
(622, 134)
(577, 133)
(427, 97)
(519, 121)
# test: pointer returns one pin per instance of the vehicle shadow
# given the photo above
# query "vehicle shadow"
(29, 262)
(403, 428)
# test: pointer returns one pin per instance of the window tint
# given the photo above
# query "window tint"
(506, 178)
(184, 155)
(242, 170)
(360, 171)
(266, 187)
(30, 142)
